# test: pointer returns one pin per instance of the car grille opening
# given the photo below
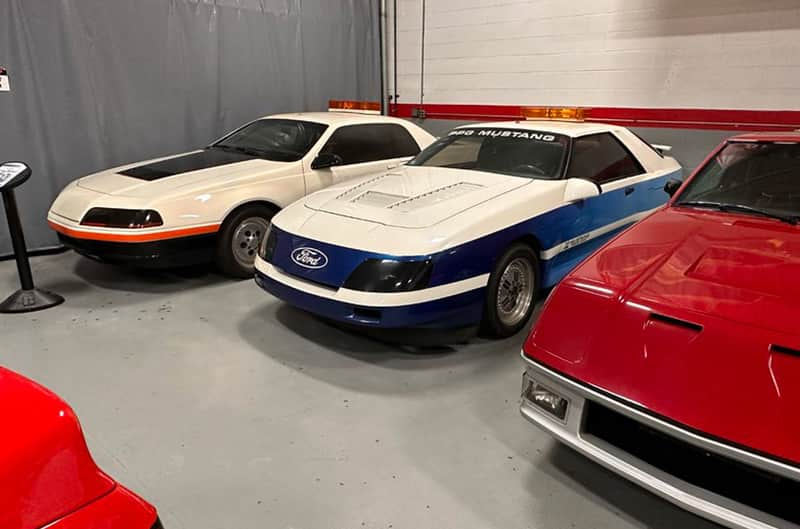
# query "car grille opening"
(742, 483)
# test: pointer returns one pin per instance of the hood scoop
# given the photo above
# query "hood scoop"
(377, 199)
(756, 271)
(414, 197)
(435, 196)
(406, 203)
(357, 190)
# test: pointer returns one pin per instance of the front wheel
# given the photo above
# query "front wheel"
(511, 292)
(239, 239)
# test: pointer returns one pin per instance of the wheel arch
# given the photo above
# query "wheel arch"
(531, 240)
(260, 202)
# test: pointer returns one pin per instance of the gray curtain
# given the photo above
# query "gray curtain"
(98, 83)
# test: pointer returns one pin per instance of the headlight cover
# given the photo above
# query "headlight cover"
(122, 218)
(388, 275)
(267, 247)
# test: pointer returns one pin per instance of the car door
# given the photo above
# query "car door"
(364, 149)
(604, 160)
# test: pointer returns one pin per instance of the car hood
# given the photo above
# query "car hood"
(414, 197)
(155, 178)
(692, 316)
(46, 470)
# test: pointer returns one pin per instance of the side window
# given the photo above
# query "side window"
(368, 143)
(602, 158)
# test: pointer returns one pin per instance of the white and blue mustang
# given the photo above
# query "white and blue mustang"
(469, 231)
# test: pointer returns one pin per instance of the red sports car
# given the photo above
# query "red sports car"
(672, 355)
(47, 476)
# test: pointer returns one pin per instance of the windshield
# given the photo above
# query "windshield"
(515, 152)
(280, 140)
(749, 178)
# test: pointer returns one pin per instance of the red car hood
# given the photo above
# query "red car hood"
(693, 316)
(46, 471)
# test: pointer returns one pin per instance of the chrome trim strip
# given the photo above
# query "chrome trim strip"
(694, 499)
(770, 465)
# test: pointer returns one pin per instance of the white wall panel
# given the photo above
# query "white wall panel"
(651, 53)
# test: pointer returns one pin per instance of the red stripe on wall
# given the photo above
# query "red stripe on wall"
(668, 118)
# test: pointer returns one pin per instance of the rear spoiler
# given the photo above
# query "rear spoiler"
(662, 149)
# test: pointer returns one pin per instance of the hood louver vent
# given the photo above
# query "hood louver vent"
(356, 190)
(436, 195)
(377, 199)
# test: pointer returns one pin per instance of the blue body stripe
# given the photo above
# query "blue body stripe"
(478, 257)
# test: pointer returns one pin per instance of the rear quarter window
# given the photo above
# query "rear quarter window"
(602, 158)
(371, 142)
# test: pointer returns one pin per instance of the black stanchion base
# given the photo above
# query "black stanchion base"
(29, 301)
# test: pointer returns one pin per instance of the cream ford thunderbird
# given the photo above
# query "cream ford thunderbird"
(216, 203)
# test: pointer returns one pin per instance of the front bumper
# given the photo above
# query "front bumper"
(706, 503)
(459, 310)
(183, 251)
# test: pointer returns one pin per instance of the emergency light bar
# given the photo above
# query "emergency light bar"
(361, 107)
(555, 113)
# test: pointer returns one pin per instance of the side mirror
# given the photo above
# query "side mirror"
(13, 174)
(325, 160)
(580, 189)
(672, 186)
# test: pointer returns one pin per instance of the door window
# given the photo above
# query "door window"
(369, 143)
(602, 158)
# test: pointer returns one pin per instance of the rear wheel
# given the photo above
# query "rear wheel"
(239, 238)
(511, 292)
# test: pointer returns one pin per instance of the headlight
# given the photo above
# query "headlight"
(122, 218)
(267, 247)
(387, 275)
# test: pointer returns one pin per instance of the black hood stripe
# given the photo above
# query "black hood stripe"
(186, 164)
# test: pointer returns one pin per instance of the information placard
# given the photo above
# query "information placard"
(4, 85)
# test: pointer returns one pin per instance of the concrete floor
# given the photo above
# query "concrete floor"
(228, 409)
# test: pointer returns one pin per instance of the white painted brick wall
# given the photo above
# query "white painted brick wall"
(634, 53)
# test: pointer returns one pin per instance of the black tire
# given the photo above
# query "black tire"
(248, 225)
(499, 323)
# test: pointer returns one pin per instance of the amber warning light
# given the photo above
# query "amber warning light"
(555, 113)
(363, 107)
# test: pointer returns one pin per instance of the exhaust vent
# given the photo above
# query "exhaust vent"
(782, 349)
(669, 320)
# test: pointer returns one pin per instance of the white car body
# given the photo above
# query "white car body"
(195, 203)
(460, 219)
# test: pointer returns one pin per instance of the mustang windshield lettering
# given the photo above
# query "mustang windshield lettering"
(513, 152)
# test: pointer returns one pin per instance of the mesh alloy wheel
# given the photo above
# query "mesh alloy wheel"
(515, 292)
(512, 291)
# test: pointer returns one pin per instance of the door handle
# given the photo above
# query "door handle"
(392, 165)
(629, 190)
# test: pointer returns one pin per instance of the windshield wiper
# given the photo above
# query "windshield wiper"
(244, 150)
(219, 146)
(739, 208)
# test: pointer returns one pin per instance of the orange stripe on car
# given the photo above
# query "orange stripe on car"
(133, 237)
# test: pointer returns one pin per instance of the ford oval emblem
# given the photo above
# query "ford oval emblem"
(309, 258)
